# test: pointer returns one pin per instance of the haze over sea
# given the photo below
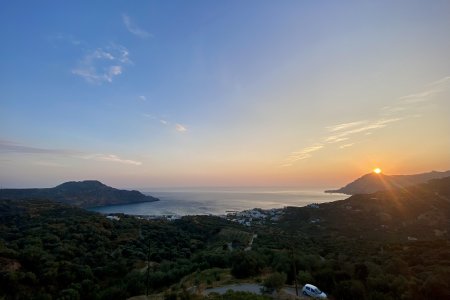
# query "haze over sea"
(219, 201)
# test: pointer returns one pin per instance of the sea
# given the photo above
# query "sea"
(219, 201)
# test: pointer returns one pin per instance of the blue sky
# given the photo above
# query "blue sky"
(176, 93)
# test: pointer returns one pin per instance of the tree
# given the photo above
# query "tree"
(245, 264)
(69, 294)
(361, 272)
(435, 288)
(305, 277)
(325, 279)
(349, 290)
(275, 281)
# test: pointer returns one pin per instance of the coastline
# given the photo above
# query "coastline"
(220, 202)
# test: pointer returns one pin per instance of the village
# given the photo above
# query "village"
(255, 216)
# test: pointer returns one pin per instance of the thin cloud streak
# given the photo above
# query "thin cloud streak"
(346, 146)
(375, 125)
(149, 116)
(12, 147)
(345, 131)
(412, 101)
(335, 139)
(15, 148)
(440, 82)
(343, 126)
(50, 164)
(302, 154)
(286, 165)
(134, 29)
(311, 149)
(111, 158)
(419, 97)
(65, 38)
(340, 136)
(180, 128)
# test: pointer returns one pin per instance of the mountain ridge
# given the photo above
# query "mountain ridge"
(372, 182)
(391, 241)
(85, 194)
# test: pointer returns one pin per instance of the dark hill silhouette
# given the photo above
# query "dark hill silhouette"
(373, 182)
(88, 193)
(420, 212)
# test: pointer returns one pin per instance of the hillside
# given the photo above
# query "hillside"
(49, 250)
(386, 245)
(89, 193)
(419, 212)
(372, 182)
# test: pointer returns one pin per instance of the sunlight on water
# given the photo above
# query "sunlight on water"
(201, 201)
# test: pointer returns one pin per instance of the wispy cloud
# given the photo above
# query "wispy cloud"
(343, 135)
(13, 147)
(346, 145)
(167, 123)
(50, 164)
(302, 154)
(112, 158)
(163, 121)
(65, 38)
(16, 148)
(287, 165)
(419, 97)
(143, 98)
(444, 81)
(416, 100)
(340, 133)
(133, 28)
(335, 138)
(103, 64)
(149, 116)
(180, 128)
(343, 126)
(114, 71)
(390, 114)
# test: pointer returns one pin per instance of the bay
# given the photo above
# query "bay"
(219, 201)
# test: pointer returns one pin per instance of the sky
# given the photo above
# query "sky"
(222, 93)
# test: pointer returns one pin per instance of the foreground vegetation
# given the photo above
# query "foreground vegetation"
(379, 246)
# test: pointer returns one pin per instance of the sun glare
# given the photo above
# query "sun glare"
(377, 170)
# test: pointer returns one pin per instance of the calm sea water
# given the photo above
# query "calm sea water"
(218, 201)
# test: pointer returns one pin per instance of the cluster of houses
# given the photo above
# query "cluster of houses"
(247, 217)
(259, 216)
(255, 216)
(147, 217)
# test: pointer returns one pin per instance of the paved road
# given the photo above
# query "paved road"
(291, 290)
(251, 243)
(249, 287)
(252, 288)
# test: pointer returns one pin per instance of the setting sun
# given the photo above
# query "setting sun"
(377, 170)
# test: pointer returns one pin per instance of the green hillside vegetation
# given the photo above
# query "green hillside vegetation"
(387, 245)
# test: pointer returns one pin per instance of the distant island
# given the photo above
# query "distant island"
(373, 182)
(85, 194)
